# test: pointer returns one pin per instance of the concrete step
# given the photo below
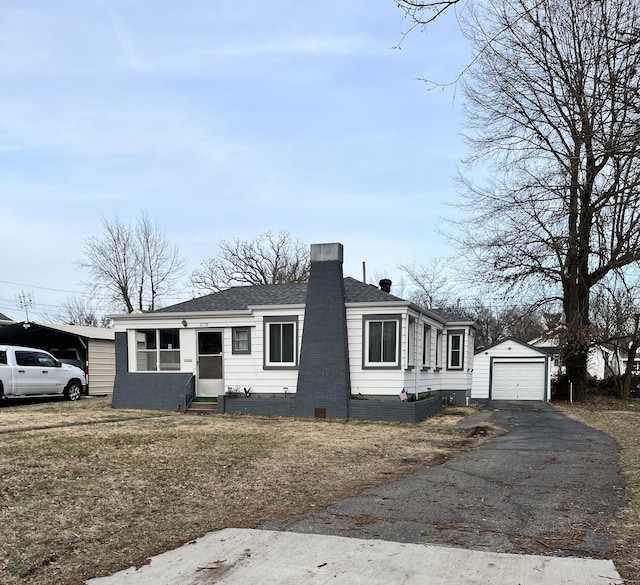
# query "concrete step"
(202, 408)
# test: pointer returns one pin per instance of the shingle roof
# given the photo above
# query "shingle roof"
(447, 316)
(242, 297)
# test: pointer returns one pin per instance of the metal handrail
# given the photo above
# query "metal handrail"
(189, 394)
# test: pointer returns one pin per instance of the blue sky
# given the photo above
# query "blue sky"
(221, 119)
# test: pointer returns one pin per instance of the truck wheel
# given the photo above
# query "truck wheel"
(73, 391)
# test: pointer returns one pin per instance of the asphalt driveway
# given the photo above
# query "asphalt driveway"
(550, 486)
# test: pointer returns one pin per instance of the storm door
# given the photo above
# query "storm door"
(210, 382)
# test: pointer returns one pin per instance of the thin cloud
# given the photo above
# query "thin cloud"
(123, 38)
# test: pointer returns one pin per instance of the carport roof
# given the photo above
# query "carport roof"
(19, 331)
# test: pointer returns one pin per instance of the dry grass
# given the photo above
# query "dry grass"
(82, 499)
(621, 420)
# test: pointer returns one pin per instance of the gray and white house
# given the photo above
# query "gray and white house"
(334, 347)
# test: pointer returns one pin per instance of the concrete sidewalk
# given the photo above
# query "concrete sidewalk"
(242, 557)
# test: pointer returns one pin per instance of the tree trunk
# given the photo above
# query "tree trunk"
(577, 337)
(625, 390)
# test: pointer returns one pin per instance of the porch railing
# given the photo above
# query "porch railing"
(188, 395)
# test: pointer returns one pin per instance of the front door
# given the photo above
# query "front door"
(210, 382)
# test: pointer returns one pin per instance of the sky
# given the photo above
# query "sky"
(222, 119)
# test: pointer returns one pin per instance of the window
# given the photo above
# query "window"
(241, 339)
(26, 358)
(158, 350)
(3, 357)
(381, 341)
(280, 342)
(45, 360)
(411, 344)
(426, 346)
(438, 350)
(455, 350)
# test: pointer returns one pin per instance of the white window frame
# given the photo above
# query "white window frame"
(411, 344)
(426, 346)
(158, 352)
(438, 365)
(270, 322)
(367, 320)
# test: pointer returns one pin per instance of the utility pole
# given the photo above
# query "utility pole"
(25, 301)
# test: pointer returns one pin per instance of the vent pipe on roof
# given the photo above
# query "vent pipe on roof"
(385, 285)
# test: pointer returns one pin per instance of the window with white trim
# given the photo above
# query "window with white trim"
(157, 350)
(438, 350)
(280, 342)
(455, 350)
(411, 344)
(381, 341)
(426, 346)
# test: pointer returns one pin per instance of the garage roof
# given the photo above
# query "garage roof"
(511, 339)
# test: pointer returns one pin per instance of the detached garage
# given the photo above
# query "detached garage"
(511, 370)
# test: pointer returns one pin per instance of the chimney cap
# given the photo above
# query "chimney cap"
(326, 252)
(385, 285)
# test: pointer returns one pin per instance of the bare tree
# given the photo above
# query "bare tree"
(423, 13)
(267, 259)
(134, 265)
(80, 310)
(494, 323)
(553, 110)
(430, 284)
(616, 320)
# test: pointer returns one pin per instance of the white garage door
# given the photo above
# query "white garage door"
(518, 381)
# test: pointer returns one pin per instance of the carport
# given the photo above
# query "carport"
(92, 348)
(511, 370)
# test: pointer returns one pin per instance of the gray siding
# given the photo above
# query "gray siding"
(386, 410)
(256, 405)
(380, 410)
(156, 391)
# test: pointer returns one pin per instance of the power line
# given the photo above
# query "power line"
(42, 287)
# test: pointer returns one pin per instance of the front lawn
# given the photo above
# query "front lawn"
(87, 490)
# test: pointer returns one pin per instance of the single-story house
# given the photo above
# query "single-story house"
(511, 369)
(90, 348)
(334, 347)
(602, 361)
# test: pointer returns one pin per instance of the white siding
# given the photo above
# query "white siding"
(246, 370)
(372, 381)
(390, 382)
(509, 351)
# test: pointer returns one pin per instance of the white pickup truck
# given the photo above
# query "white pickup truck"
(25, 371)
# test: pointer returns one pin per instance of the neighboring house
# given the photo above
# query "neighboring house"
(602, 361)
(335, 348)
(90, 348)
(635, 368)
(511, 369)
